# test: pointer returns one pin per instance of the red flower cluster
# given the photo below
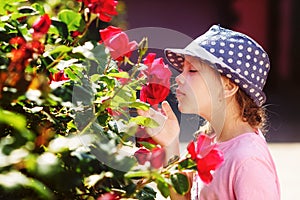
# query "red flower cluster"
(156, 156)
(24, 52)
(117, 42)
(158, 80)
(105, 9)
(206, 155)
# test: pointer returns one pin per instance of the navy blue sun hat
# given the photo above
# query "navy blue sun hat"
(233, 54)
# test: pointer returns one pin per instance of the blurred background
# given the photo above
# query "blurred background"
(275, 24)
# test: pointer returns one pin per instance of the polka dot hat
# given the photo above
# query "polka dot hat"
(233, 54)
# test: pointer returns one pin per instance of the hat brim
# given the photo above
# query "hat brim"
(172, 55)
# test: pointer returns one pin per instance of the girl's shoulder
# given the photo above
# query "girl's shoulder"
(245, 146)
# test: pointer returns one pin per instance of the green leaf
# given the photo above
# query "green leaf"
(163, 187)
(147, 193)
(123, 96)
(71, 18)
(187, 164)
(95, 77)
(137, 174)
(101, 57)
(148, 145)
(180, 183)
(39, 8)
(139, 105)
(144, 121)
(6, 3)
(119, 75)
(61, 49)
(16, 121)
(71, 75)
(61, 27)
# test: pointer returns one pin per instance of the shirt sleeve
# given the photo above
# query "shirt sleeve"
(255, 179)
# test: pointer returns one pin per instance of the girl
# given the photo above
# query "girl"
(222, 75)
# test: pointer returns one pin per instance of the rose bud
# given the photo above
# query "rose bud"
(142, 155)
(158, 157)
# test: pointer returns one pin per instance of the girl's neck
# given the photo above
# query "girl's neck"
(233, 124)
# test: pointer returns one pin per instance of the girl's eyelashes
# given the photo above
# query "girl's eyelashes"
(193, 70)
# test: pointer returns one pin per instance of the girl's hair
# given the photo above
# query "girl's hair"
(250, 112)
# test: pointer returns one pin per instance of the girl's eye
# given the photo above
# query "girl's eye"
(193, 70)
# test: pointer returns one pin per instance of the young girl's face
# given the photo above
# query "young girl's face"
(199, 88)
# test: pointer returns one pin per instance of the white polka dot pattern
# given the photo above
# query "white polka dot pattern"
(241, 59)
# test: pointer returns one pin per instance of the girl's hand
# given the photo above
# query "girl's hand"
(167, 133)
(168, 129)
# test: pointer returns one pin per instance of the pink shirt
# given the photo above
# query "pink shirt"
(247, 173)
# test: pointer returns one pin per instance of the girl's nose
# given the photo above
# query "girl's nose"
(179, 79)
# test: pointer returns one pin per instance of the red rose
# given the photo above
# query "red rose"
(142, 155)
(158, 80)
(117, 42)
(42, 25)
(154, 93)
(157, 157)
(157, 71)
(191, 150)
(208, 163)
(104, 8)
(206, 155)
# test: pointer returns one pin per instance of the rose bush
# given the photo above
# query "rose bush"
(67, 106)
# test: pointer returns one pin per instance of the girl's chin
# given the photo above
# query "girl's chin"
(186, 109)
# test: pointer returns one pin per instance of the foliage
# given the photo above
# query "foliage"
(67, 108)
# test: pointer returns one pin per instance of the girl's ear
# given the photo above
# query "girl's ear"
(229, 87)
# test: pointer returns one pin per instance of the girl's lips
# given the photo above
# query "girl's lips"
(179, 93)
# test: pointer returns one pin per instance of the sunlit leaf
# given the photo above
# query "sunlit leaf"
(5, 3)
(39, 8)
(119, 75)
(71, 18)
(147, 145)
(16, 121)
(137, 174)
(61, 49)
(139, 105)
(144, 121)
